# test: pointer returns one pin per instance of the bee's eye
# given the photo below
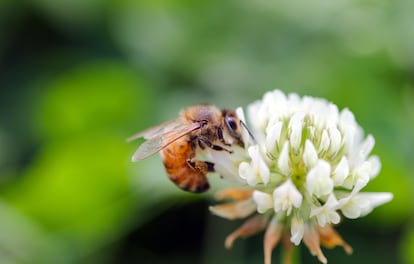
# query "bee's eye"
(231, 123)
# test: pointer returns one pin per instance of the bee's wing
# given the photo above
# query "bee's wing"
(162, 140)
(158, 130)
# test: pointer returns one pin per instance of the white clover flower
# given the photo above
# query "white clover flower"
(255, 171)
(286, 197)
(305, 168)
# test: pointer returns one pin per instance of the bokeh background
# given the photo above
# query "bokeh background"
(78, 77)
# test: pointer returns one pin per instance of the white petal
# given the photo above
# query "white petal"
(354, 207)
(310, 156)
(359, 177)
(363, 172)
(367, 146)
(246, 172)
(375, 200)
(254, 153)
(330, 204)
(332, 114)
(360, 204)
(346, 119)
(311, 132)
(327, 218)
(258, 118)
(247, 139)
(378, 199)
(263, 200)
(327, 213)
(335, 138)
(264, 172)
(269, 101)
(324, 144)
(318, 180)
(295, 129)
(279, 96)
(347, 126)
(258, 164)
(341, 172)
(360, 183)
(276, 103)
(285, 197)
(296, 136)
(293, 100)
(294, 194)
(334, 217)
(283, 161)
(375, 166)
(297, 230)
(349, 139)
(273, 136)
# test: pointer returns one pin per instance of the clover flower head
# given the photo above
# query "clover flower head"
(304, 169)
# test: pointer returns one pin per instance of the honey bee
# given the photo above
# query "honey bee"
(200, 127)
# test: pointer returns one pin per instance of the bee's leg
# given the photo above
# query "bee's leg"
(202, 166)
(221, 137)
(205, 141)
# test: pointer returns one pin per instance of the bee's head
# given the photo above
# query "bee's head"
(233, 126)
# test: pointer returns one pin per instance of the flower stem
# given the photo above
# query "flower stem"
(290, 255)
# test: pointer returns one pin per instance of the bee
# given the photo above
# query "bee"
(199, 127)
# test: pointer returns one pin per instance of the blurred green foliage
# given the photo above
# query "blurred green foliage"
(78, 77)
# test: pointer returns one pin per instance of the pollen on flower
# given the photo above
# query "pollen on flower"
(304, 169)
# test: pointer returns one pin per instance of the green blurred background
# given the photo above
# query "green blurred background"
(78, 77)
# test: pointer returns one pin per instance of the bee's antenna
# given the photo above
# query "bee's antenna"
(248, 131)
